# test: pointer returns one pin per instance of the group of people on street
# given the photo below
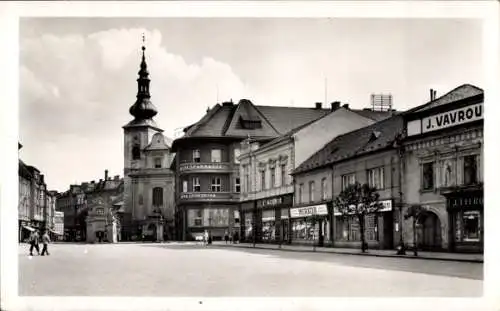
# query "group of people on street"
(34, 241)
(231, 239)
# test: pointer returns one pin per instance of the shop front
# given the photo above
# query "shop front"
(309, 224)
(274, 218)
(466, 218)
(378, 228)
(24, 230)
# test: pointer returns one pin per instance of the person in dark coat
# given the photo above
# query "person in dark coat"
(34, 240)
(45, 241)
(226, 237)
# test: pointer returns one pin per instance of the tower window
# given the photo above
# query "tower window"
(157, 196)
(157, 162)
(136, 152)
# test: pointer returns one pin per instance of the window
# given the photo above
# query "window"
(184, 186)
(262, 180)
(470, 170)
(196, 156)
(216, 184)
(273, 177)
(236, 217)
(283, 174)
(376, 177)
(136, 152)
(237, 186)
(311, 191)
(237, 153)
(100, 211)
(216, 155)
(196, 184)
(157, 162)
(301, 192)
(323, 189)
(428, 176)
(157, 196)
(141, 199)
(471, 225)
(348, 179)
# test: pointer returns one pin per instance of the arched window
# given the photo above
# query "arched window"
(136, 152)
(157, 196)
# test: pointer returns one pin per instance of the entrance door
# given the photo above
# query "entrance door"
(429, 232)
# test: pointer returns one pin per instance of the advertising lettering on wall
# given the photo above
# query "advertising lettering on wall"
(309, 211)
(386, 207)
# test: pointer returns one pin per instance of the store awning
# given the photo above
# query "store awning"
(29, 228)
(55, 232)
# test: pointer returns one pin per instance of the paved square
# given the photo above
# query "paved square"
(187, 269)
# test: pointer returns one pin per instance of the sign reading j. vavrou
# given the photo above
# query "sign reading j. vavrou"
(453, 117)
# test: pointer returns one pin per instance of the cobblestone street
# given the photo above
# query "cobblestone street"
(188, 269)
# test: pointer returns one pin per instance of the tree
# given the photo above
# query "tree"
(414, 212)
(358, 200)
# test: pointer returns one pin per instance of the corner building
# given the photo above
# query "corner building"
(207, 162)
(444, 164)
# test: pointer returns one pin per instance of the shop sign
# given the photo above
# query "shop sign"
(446, 119)
(476, 201)
(386, 207)
(309, 211)
(275, 201)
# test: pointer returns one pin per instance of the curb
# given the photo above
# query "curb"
(360, 254)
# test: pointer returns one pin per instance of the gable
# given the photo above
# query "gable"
(248, 120)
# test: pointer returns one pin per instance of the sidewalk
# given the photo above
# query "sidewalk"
(475, 258)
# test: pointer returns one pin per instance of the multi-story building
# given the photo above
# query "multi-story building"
(367, 155)
(58, 226)
(35, 201)
(207, 167)
(267, 188)
(88, 214)
(444, 162)
(149, 198)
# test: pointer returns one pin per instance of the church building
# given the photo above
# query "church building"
(148, 200)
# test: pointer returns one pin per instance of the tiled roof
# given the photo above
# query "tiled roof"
(24, 171)
(367, 139)
(462, 92)
(374, 115)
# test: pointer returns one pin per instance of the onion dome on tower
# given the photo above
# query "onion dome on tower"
(143, 109)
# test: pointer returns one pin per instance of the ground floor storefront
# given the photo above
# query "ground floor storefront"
(379, 229)
(25, 230)
(310, 224)
(219, 220)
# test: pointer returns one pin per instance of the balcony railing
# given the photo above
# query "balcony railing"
(206, 167)
(209, 196)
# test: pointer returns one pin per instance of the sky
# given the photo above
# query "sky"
(78, 75)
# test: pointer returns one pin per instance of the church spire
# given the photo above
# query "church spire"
(143, 108)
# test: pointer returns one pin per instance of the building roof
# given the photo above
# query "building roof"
(371, 138)
(228, 119)
(370, 114)
(24, 171)
(459, 93)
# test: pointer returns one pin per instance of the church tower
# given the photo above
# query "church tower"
(148, 199)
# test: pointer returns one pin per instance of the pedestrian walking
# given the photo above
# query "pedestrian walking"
(226, 237)
(45, 241)
(34, 240)
(205, 238)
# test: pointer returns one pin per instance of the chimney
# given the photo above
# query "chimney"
(117, 177)
(100, 180)
(318, 105)
(335, 105)
(433, 94)
(105, 174)
(346, 106)
(92, 182)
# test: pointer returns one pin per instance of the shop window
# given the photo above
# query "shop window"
(283, 174)
(428, 176)
(311, 191)
(136, 152)
(348, 179)
(471, 226)
(216, 184)
(157, 162)
(216, 155)
(376, 178)
(157, 196)
(371, 228)
(237, 186)
(236, 215)
(196, 184)
(237, 153)
(196, 156)
(323, 189)
(470, 170)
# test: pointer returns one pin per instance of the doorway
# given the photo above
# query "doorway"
(429, 232)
